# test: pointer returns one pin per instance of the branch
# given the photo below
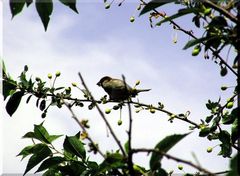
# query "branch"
(173, 158)
(82, 127)
(222, 10)
(130, 154)
(103, 116)
(189, 33)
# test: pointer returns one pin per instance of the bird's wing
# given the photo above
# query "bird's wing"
(117, 84)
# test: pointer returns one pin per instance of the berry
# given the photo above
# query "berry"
(107, 111)
(132, 19)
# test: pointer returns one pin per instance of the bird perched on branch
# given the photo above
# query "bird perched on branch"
(117, 89)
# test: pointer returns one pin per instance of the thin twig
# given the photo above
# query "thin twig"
(172, 158)
(83, 128)
(103, 116)
(130, 154)
(222, 11)
(189, 33)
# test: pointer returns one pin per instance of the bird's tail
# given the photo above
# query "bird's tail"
(142, 90)
(136, 91)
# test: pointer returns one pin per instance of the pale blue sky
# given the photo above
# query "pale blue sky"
(100, 42)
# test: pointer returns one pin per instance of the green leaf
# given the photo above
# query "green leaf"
(16, 6)
(234, 167)
(208, 118)
(8, 86)
(38, 155)
(153, 5)
(14, 102)
(71, 4)
(126, 147)
(44, 9)
(72, 144)
(194, 42)
(41, 133)
(180, 13)
(112, 161)
(51, 138)
(26, 151)
(50, 162)
(29, 135)
(164, 146)
(28, 2)
(235, 135)
(52, 172)
(226, 149)
(204, 132)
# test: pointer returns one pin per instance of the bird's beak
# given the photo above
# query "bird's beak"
(99, 84)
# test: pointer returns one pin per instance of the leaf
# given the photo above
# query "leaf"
(153, 5)
(44, 9)
(112, 161)
(50, 162)
(204, 132)
(180, 13)
(209, 118)
(71, 4)
(164, 146)
(14, 102)
(29, 135)
(126, 147)
(194, 42)
(28, 2)
(16, 6)
(8, 86)
(235, 135)
(41, 133)
(226, 149)
(39, 155)
(26, 151)
(73, 145)
(42, 105)
(51, 138)
(234, 167)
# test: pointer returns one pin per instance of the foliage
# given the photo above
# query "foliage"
(221, 27)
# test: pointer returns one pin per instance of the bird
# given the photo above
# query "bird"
(117, 89)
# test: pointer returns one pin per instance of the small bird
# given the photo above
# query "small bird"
(117, 89)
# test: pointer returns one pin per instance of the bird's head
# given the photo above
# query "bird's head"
(103, 79)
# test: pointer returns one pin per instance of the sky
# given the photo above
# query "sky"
(99, 42)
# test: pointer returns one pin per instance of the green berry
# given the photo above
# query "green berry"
(207, 11)
(180, 167)
(44, 115)
(152, 111)
(195, 51)
(107, 111)
(223, 71)
(107, 6)
(49, 76)
(116, 107)
(224, 88)
(209, 149)
(119, 122)
(137, 83)
(229, 105)
(58, 73)
(37, 79)
(132, 19)
(74, 84)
